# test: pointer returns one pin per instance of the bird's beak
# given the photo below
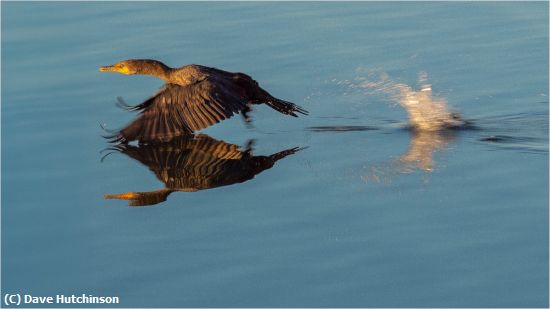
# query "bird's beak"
(109, 68)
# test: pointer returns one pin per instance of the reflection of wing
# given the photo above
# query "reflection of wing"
(177, 110)
(194, 163)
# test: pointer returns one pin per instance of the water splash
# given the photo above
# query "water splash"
(429, 117)
(425, 111)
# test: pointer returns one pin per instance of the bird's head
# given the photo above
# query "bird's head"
(125, 67)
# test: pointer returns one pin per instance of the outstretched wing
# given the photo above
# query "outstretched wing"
(177, 110)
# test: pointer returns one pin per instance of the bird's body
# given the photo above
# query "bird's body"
(193, 98)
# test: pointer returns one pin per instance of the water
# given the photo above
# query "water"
(370, 214)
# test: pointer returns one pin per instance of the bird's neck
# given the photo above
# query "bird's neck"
(156, 69)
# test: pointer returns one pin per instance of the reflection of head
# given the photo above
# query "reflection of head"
(142, 198)
(193, 163)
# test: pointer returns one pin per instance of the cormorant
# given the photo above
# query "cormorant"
(193, 163)
(193, 98)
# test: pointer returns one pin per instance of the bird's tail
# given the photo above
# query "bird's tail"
(285, 107)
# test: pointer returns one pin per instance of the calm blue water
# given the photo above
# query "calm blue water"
(361, 218)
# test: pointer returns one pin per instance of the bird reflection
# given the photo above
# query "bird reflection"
(193, 163)
(419, 156)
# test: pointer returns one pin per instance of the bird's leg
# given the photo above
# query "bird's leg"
(246, 116)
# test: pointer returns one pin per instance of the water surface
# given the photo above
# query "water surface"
(370, 214)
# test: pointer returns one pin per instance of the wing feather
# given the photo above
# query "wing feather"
(217, 109)
(205, 110)
(188, 117)
(177, 110)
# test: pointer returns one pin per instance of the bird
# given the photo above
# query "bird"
(190, 163)
(194, 97)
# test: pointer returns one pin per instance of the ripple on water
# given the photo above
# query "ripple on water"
(340, 128)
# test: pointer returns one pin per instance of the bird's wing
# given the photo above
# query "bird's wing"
(176, 110)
